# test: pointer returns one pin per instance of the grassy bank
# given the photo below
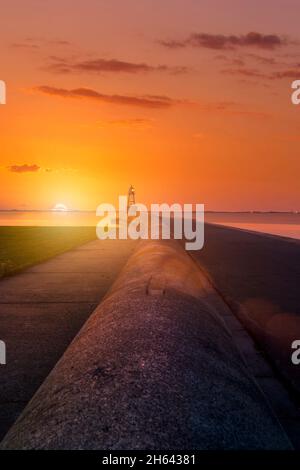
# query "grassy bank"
(21, 247)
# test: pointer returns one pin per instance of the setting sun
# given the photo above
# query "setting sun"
(60, 207)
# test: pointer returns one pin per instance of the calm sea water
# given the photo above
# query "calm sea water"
(284, 224)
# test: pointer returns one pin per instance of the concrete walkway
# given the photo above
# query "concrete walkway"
(43, 308)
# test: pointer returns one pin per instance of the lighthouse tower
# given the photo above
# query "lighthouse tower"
(131, 196)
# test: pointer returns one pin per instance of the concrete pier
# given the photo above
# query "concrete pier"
(154, 367)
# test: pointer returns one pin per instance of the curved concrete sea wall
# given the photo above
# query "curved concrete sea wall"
(154, 367)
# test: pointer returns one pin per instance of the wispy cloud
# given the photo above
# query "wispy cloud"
(235, 61)
(145, 101)
(245, 72)
(137, 123)
(37, 43)
(58, 42)
(232, 109)
(254, 73)
(223, 42)
(263, 59)
(24, 168)
(34, 168)
(290, 73)
(100, 65)
(24, 45)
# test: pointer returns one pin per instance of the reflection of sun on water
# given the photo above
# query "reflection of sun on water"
(60, 207)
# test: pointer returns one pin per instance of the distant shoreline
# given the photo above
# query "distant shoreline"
(93, 211)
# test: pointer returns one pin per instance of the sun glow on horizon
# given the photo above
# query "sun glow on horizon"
(59, 207)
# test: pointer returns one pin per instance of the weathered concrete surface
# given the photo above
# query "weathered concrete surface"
(43, 308)
(154, 367)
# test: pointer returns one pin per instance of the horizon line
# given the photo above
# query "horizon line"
(258, 211)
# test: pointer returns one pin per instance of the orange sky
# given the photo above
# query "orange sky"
(174, 96)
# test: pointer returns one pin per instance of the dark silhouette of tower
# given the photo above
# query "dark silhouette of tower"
(131, 196)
